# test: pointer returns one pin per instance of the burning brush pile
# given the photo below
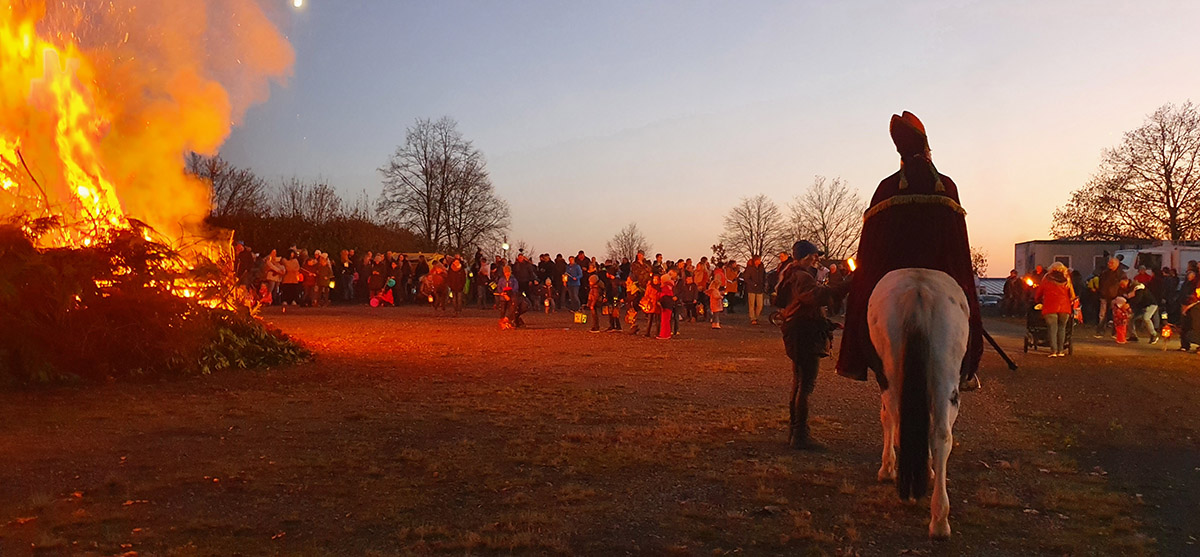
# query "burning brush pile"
(106, 268)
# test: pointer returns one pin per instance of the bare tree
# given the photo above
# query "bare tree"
(754, 226)
(979, 262)
(522, 247)
(437, 186)
(315, 202)
(626, 243)
(829, 214)
(475, 215)
(361, 208)
(236, 191)
(1146, 187)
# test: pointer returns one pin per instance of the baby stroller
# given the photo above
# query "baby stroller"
(1038, 334)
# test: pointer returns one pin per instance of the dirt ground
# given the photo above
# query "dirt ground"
(411, 434)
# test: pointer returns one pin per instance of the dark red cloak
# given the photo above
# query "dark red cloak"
(923, 226)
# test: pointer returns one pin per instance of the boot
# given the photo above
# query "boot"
(798, 433)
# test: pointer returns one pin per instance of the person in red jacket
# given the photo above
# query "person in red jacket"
(914, 221)
(666, 304)
(1057, 297)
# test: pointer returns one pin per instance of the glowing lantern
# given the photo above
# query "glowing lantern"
(1029, 281)
(331, 284)
(1167, 332)
(850, 262)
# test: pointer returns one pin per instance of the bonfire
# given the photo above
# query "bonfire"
(106, 266)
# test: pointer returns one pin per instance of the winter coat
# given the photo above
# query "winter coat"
(649, 303)
(716, 297)
(806, 331)
(574, 273)
(686, 293)
(456, 280)
(1055, 294)
(701, 275)
(291, 271)
(666, 295)
(755, 279)
(275, 269)
(731, 280)
(1110, 283)
(640, 271)
(1122, 314)
(595, 295)
(1141, 298)
(309, 273)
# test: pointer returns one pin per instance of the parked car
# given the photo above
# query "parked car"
(989, 304)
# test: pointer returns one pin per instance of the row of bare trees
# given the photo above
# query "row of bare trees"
(436, 185)
(240, 193)
(292, 211)
(828, 214)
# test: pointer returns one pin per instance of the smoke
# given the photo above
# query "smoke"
(160, 78)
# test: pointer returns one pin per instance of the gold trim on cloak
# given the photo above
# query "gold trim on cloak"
(913, 199)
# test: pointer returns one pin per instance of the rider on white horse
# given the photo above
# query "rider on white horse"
(914, 221)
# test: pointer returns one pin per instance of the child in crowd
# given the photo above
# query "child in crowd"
(614, 302)
(547, 294)
(650, 306)
(666, 304)
(595, 301)
(308, 276)
(633, 301)
(685, 296)
(1121, 314)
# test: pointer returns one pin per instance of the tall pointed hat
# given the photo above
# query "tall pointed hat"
(908, 133)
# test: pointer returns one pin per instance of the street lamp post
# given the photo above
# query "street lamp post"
(504, 246)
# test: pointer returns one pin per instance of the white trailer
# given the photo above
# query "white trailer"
(1157, 257)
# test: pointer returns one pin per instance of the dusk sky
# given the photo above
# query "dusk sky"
(594, 115)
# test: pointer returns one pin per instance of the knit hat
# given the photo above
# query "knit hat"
(804, 248)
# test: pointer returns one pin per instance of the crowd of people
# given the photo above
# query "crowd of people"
(642, 296)
(1119, 302)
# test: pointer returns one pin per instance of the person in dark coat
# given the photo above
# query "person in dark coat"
(1110, 288)
(456, 280)
(595, 301)
(807, 334)
(914, 221)
(685, 294)
(755, 283)
(558, 280)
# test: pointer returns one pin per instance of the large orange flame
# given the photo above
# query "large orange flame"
(100, 101)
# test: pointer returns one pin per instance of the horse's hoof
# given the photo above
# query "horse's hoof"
(886, 477)
(939, 531)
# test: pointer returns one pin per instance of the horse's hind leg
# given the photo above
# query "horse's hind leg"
(887, 467)
(941, 441)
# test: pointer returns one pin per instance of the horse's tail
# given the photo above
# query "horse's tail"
(913, 461)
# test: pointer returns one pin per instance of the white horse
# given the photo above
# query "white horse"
(918, 321)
